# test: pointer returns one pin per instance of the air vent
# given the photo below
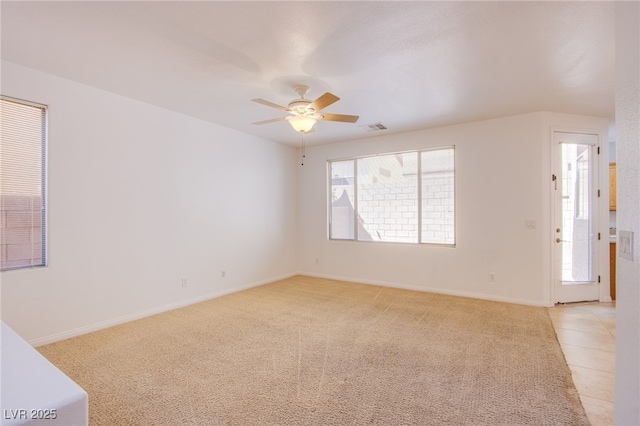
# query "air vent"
(374, 127)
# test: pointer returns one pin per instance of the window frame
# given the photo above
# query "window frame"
(356, 217)
(44, 186)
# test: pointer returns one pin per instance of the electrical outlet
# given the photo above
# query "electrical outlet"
(184, 282)
(223, 274)
(492, 277)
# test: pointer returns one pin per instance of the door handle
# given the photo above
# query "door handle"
(558, 240)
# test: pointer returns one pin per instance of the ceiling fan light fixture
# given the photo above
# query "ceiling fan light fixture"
(302, 123)
(305, 113)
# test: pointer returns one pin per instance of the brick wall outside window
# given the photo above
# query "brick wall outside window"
(20, 231)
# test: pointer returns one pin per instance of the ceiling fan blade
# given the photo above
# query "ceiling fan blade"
(270, 104)
(323, 101)
(340, 117)
(273, 120)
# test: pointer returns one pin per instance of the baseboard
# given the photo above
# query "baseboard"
(148, 312)
(182, 303)
(437, 290)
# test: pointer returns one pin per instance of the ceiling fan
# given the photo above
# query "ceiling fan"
(305, 112)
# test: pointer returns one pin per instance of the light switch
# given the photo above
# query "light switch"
(625, 244)
(529, 224)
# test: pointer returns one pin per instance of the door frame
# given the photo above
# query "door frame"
(602, 207)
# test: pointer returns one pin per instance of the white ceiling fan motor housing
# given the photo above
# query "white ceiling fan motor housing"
(301, 106)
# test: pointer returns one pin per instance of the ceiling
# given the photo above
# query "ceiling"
(407, 65)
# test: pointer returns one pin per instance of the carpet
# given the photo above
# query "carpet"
(309, 351)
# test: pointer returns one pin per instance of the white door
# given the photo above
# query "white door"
(575, 199)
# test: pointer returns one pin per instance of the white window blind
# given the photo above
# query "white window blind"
(23, 130)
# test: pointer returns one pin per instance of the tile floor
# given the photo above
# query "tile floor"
(587, 334)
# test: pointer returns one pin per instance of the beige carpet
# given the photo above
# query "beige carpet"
(306, 351)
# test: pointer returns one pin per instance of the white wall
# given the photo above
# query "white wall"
(140, 197)
(628, 211)
(502, 179)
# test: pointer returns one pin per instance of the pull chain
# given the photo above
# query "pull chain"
(303, 150)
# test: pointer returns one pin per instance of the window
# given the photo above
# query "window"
(404, 197)
(582, 185)
(22, 184)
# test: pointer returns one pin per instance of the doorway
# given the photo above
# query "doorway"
(575, 224)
